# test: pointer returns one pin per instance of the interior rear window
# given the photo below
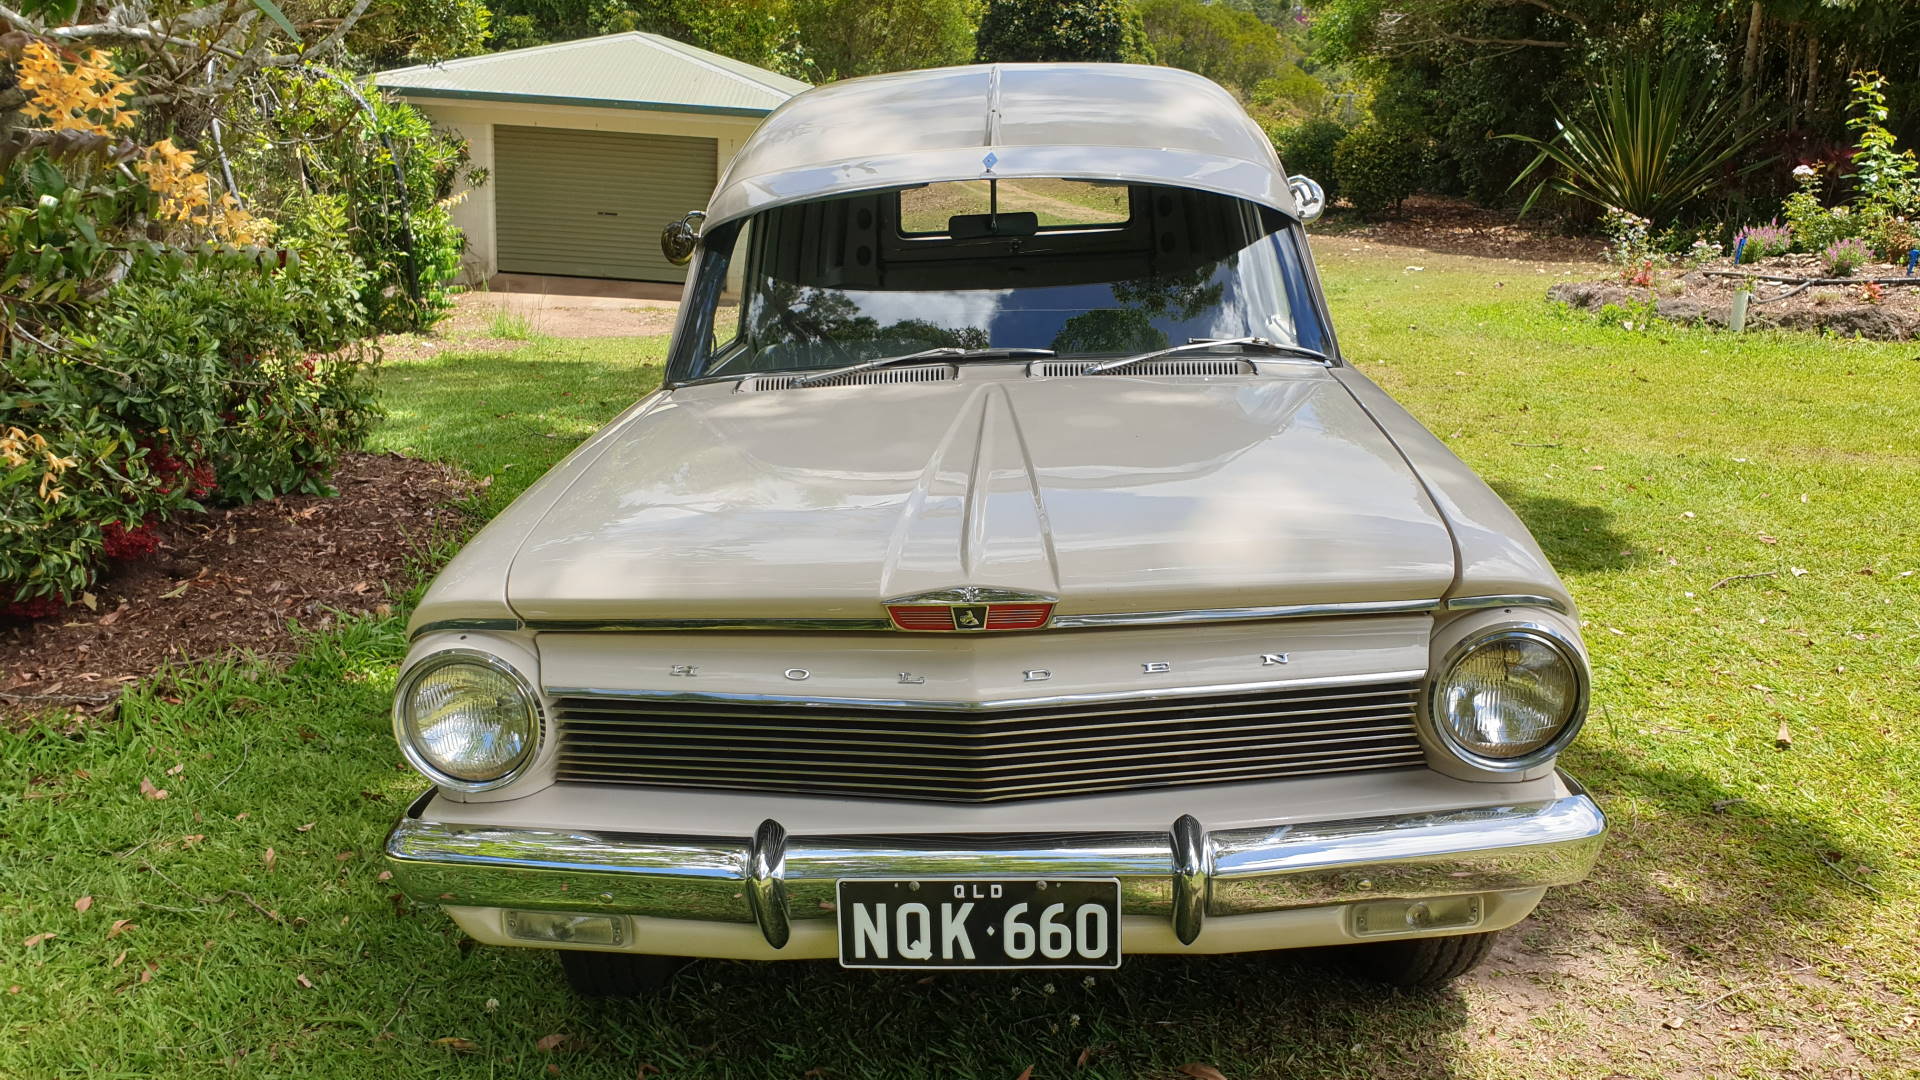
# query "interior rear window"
(925, 211)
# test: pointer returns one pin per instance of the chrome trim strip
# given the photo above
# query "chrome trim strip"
(440, 625)
(605, 626)
(974, 594)
(1476, 603)
(1474, 849)
(1060, 622)
(982, 706)
(1246, 614)
(1192, 869)
(766, 882)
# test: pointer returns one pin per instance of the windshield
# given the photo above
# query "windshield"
(1082, 269)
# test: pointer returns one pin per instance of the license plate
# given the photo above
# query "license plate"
(979, 922)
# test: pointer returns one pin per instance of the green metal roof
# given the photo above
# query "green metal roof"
(618, 71)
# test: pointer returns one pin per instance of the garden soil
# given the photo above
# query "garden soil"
(234, 580)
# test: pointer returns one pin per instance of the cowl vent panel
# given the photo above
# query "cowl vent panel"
(1061, 369)
(919, 373)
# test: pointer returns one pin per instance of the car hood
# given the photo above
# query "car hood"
(1113, 493)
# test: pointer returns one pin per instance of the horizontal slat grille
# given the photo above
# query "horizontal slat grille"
(986, 755)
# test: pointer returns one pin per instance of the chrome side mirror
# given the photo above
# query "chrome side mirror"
(1309, 202)
(678, 240)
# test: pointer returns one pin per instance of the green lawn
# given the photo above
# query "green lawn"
(1754, 914)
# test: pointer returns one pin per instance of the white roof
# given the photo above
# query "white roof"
(620, 71)
(1127, 122)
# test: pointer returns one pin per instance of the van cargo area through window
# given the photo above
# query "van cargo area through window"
(1085, 269)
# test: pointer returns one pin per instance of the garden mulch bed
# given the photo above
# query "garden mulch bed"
(234, 579)
(1456, 227)
(1892, 313)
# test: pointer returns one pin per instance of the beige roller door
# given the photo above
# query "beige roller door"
(592, 203)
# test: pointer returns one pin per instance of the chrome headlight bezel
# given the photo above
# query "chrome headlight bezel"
(403, 730)
(1551, 636)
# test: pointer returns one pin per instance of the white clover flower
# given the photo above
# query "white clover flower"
(1803, 172)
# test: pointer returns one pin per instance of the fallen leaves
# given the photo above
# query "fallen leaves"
(305, 983)
(176, 770)
(1202, 1072)
(151, 792)
(38, 940)
(1784, 737)
(118, 960)
(456, 1044)
(267, 858)
(308, 827)
(120, 926)
(82, 904)
(547, 1044)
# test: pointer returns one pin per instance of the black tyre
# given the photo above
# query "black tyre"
(1418, 962)
(615, 975)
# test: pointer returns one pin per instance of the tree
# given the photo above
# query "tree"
(191, 60)
(396, 32)
(1460, 70)
(1225, 44)
(764, 33)
(1017, 31)
(845, 38)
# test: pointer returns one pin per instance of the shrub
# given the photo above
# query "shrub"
(388, 176)
(1814, 227)
(1377, 168)
(1762, 241)
(1652, 141)
(156, 354)
(1881, 174)
(1889, 233)
(1307, 149)
(1628, 243)
(1843, 257)
(1701, 253)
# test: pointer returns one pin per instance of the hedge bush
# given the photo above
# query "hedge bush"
(156, 352)
(1307, 149)
(1378, 167)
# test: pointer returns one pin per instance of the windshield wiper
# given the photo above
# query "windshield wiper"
(947, 351)
(1197, 344)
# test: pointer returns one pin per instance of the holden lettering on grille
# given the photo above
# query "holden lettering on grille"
(951, 617)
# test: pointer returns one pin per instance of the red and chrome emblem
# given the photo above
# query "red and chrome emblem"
(971, 608)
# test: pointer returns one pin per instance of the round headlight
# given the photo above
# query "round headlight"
(467, 719)
(1508, 697)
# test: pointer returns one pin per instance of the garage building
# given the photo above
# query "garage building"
(590, 147)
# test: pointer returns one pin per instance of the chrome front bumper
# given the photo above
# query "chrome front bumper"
(1184, 875)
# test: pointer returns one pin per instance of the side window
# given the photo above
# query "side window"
(727, 323)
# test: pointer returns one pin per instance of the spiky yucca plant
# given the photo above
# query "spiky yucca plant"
(1655, 137)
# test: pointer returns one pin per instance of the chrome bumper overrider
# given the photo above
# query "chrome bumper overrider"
(1184, 875)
